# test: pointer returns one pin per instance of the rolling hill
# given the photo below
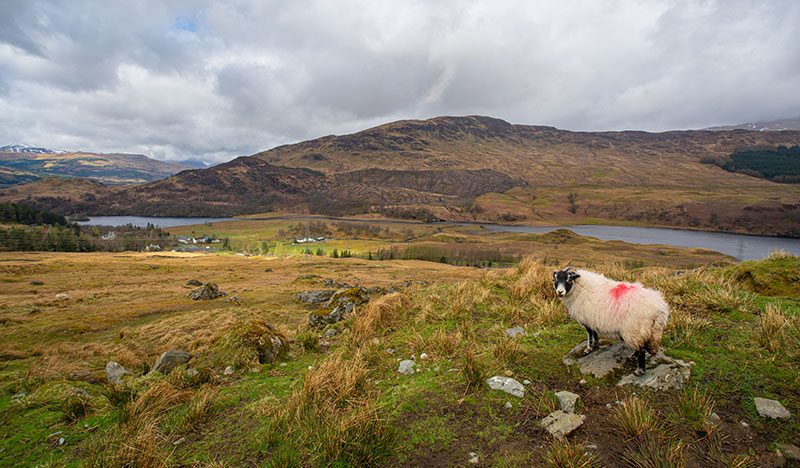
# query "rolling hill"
(22, 164)
(484, 169)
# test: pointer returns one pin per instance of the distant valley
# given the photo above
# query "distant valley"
(471, 169)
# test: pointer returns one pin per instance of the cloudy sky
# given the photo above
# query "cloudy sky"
(212, 80)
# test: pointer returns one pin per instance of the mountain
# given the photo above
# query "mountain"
(487, 170)
(109, 169)
(23, 148)
(770, 126)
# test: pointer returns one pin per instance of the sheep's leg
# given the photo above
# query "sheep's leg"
(640, 361)
(591, 341)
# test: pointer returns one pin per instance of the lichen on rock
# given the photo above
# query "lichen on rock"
(342, 303)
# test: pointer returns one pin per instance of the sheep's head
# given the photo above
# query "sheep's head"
(563, 280)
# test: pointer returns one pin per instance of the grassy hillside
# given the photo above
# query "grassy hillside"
(339, 400)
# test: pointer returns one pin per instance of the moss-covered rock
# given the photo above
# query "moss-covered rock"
(248, 342)
(206, 292)
(342, 303)
(776, 275)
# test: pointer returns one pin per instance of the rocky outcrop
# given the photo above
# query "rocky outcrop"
(663, 372)
(342, 302)
(317, 297)
(206, 292)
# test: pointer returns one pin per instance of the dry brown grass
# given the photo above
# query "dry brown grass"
(379, 314)
(566, 454)
(509, 353)
(779, 331)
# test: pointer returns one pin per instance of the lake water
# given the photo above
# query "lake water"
(142, 221)
(740, 246)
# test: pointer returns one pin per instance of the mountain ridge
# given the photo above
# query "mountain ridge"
(482, 169)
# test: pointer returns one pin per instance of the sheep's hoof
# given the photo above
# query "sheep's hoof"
(588, 350)
(639, 371)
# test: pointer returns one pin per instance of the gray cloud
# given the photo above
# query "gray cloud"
(214, 80)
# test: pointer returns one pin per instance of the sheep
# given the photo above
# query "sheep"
(630, 312)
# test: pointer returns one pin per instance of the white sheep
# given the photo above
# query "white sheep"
(626, 311)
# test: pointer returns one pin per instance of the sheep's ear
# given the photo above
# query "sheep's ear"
(555, 274)
(574, 276)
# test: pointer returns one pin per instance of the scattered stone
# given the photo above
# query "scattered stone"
(771, 408)
(567, 401)
(36, 283)
(714, 418)
(526, 382)
(331, 332)
(238, 300)
(192, 372)
(506, 384)
(423, 356)
(206, 292)
(179, 441)
(560, 424)
(32, 311)
(61, 441)
(62, 296)
(115, 373)
(229, 370)
(791, 451)
(171, 359)
(744, 424)
(473, 458)
(283, 364)
(317, 297)
(663, 372)
(255, 370)
(515, 332)
(193, 282)
(267, 270)
(390, 351)
(582, 382)
(406, 367)
(508, 405)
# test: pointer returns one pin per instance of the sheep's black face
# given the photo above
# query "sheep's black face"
(563, 280)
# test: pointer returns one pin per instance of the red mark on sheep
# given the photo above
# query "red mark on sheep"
(618, 291)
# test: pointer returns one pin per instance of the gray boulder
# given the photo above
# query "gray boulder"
(206, 292)
(515, 332)
(770, 408)
(193, 282)
(560, 424)
(506, 384)
(317, 297)
(115, 373)
(170, 360)
(567, 401)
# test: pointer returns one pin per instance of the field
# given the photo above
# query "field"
(336, 398)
